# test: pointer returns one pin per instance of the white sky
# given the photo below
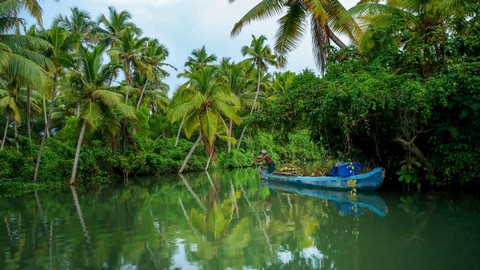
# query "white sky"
(185, 25)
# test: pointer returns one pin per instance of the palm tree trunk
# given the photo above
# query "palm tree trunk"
(48, 119)
(45, 117)
(141, 94)
(209, 158)
(77, 152)
(190, 153)
(15, 128)
(7, 122)
(230, 132)
(253, 105)
(336, 39)
(29, 114)
(180, 129)
(241, 137)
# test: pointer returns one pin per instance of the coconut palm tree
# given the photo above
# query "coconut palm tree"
(96, 98)
(59, 55)
(154, 55)
(259, 57)
(199, 58)
(21, 64)
(322, 16)
(205, 105)
(115, 25)
(234, 78)
(128, 52)
(80, 26)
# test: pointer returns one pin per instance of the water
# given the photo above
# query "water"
(231, 220)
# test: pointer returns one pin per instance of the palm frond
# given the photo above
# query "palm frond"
(263, 10)
(107, 97)
(25, 70)
(208, 124)
(191, 124)
(291, 30)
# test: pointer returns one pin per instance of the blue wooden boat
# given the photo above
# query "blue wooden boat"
(344, 201)
(371, 180)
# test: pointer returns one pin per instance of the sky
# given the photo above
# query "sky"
(185, 25)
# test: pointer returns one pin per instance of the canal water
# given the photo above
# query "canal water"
(232, 220)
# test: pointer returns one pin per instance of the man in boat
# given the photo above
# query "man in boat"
(270, 164)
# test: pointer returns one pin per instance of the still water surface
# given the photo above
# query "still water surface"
(232, 220)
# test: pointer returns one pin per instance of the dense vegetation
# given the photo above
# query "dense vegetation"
(405, 97)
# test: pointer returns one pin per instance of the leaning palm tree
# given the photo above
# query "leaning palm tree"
(322, 16)
(206, 103)
(198, 59)
(59, 55)
(96, 98)
(259, 57)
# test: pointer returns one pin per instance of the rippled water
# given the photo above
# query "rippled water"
(232, 220)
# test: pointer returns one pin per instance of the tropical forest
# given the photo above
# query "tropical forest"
(84, 102)
(364, 159)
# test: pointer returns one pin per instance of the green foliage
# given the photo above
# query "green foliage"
(408, 173)
(234, 159)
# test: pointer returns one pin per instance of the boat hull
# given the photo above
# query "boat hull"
(371, 180)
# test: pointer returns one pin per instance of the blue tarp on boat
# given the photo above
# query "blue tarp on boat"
(346, 169)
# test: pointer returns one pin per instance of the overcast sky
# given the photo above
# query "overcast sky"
(185, 25)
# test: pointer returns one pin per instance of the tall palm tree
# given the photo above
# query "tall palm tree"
(80, 26)
(322, 16)
(97, 100)
(199, 58)
(128, 52)
(259, 56)
(115, 25)
(206, 103)
(21, 64)
(234, 78)
(153, 55)
(59, 55)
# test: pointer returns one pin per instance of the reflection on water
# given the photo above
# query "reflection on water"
(232, 220)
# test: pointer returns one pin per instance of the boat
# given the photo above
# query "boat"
(346, 202)
(371, 180)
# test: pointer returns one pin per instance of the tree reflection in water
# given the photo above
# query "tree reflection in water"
(231, 220)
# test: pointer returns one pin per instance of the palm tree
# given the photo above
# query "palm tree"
(260, 56)
(20, 64)
(97, 100)
(206, 103)
(233, 78)
(58, 53)
(128, 52)
(323, 17)
(154, 55)
(80, 26)
(199, 58)
(115, 26)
